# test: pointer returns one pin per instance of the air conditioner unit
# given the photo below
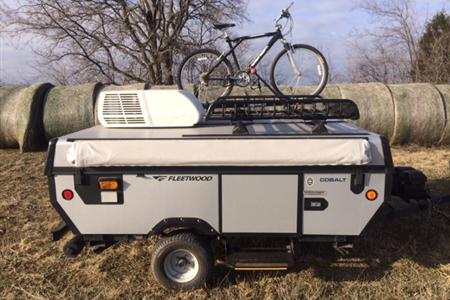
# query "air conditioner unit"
(149, 108)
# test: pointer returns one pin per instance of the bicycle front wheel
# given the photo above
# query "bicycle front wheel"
(204, 75)
(301, 70)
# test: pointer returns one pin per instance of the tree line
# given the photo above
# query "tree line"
(126, 41)
(398, 49)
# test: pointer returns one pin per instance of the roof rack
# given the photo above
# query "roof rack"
(249, 108)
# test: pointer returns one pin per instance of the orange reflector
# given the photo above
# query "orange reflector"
(371, 195)
(108, 185)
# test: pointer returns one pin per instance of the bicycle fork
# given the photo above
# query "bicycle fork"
(292, 62)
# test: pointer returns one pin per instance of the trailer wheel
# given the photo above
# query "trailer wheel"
(182, 262)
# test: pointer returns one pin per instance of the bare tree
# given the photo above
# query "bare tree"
(377, 63)
(117, 41)
(388, 53)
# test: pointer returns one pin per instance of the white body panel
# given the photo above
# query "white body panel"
(147, 202)
(259, 203)
(347, 213)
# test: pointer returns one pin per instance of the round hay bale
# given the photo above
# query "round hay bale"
(375, 105)
(70, 108)
(331, 92)
(445, 92)
(7, 116)
(21, 117)
(130, 87)
(164, 87)
(419, 114)
(112, 88)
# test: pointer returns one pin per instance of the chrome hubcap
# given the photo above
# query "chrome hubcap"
(181, 266)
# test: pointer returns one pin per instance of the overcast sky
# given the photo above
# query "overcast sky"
(325, 24)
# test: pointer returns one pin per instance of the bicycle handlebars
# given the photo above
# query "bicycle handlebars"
(284, 14)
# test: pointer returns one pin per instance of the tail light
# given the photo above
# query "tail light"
(67, 195)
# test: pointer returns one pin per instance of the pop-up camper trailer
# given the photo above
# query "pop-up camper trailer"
(284, 169)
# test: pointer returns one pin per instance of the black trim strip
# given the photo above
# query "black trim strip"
(220, 203)
(297, 136)
(221, 170)
(300, 204)
(305, 135)
(389, 163)
(50, 157)
(58, 208)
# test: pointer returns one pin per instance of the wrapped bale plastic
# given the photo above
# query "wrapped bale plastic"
(70, 108)
(112, 88)
(21, 117)
(445, 92)
(419, 114)
(375, 105)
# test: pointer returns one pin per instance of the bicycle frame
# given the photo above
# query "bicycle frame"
(276, 36)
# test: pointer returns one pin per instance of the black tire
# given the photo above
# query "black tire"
(226, 63)
(166, 248)
(321, 59)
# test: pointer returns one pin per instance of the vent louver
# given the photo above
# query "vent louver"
(123, 109)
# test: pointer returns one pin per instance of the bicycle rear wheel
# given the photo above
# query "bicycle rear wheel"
(192, 75)
(305, 72)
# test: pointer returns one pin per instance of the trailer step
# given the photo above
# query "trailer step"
(264, 260)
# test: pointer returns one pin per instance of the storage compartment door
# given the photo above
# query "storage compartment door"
(260, 203)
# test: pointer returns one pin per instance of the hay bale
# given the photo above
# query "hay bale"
(21, 117)
(331, 92)
(70, 108)
(375, 105)
(7, 116)
(445, 92)
(164, 87)
(419, 114)
(113, 88)
(130, 87)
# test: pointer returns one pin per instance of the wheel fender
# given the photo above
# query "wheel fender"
(186, 224)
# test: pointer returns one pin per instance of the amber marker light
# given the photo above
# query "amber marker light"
(372, 195)
(108, 184)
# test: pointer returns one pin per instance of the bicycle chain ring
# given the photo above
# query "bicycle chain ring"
(242, 79)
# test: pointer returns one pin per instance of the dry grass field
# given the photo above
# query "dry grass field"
(400, 259)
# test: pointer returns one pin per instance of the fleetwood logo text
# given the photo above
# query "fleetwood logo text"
(182, 178)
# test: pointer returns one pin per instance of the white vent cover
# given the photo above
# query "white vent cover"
(149, 108)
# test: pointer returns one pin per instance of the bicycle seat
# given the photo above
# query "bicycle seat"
(223, 26)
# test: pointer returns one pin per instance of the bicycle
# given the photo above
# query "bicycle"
(297, 69)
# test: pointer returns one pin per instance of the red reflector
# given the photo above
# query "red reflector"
(67, 195)
(253, 70)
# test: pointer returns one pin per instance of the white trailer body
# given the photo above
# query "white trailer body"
(279, 180)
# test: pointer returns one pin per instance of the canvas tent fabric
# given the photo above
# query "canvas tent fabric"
(216, 152)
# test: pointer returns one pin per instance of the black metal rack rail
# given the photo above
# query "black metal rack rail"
(248, 108)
